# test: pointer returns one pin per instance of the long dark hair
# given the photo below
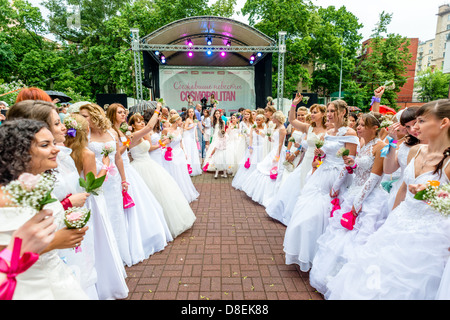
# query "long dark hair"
(439, 109)
(221, 122)
(17, 137)
(408, 115)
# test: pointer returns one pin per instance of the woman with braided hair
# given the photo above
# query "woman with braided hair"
(405, 258)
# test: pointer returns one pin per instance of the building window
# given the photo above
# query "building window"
(448, 27)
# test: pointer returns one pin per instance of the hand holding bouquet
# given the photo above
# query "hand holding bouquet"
(342, 152)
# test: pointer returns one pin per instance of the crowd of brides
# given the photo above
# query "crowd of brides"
(343, 184)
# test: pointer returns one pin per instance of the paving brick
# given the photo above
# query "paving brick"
(234, 251)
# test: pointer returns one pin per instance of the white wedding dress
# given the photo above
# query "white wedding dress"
(337, 244)
(147, 227)
(112, 191)
(190, 146)
(177, 211)
(312, 209)
(405, 258)
(282, 204)
(49, 278)
(82, 262)
(178, 167)
(255, 157)
(259, 185)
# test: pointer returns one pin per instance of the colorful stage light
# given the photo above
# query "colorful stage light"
(259, 54)
(157, 53)
(190, 43)
(209, 52)
(228, 43)
(209, 41)
(223, 54)
(252, 58)
(190, 54)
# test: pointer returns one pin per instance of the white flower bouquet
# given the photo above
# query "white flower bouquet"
(342, 152)
(389, 85)
(107, 149)
(437, 196)
(76, 217)
(33, 191)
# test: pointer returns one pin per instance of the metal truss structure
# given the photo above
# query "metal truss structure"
(137, 45)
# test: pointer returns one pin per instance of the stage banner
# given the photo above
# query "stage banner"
(233, 88)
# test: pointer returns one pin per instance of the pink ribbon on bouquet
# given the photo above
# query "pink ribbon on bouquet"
(110, 170)
(17, 266)
(336, 206)
(205, 168)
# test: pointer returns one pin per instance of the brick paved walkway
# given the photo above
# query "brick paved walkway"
(234, 251)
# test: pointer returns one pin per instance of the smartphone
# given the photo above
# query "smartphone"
(4, 112)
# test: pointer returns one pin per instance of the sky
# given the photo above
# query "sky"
(411, 18)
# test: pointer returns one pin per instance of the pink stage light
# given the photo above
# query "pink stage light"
(190, 54)
(222, 54)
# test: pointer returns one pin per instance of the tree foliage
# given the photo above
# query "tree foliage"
(432, 85)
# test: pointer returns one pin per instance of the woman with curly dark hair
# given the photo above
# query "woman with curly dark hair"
(66, 190)
(28, 147)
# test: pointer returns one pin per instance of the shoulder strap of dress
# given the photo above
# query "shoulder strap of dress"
(112, 136)
(418, 151)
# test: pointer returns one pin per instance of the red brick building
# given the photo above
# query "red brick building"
(406, 92)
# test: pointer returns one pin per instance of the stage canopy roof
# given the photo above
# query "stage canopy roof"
(172, 41)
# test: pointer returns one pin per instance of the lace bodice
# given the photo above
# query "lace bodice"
(365, 160)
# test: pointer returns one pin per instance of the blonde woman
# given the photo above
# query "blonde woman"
(264, 182)
(103, 137)
(108, 262)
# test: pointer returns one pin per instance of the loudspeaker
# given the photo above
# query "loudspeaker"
(106, 98)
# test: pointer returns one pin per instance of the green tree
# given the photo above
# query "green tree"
(336, 42)
(432, 85)
(383, 59)
(299, 19)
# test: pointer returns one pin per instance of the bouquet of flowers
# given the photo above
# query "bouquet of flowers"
(342, 152)
(386, 122)
(437, 196)
(107, 149)
(32, 191)
(319, 143)
(76, 218)
(161, 100)
(305, 100)
(292, 139)
(389, 85)
(92, 184)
